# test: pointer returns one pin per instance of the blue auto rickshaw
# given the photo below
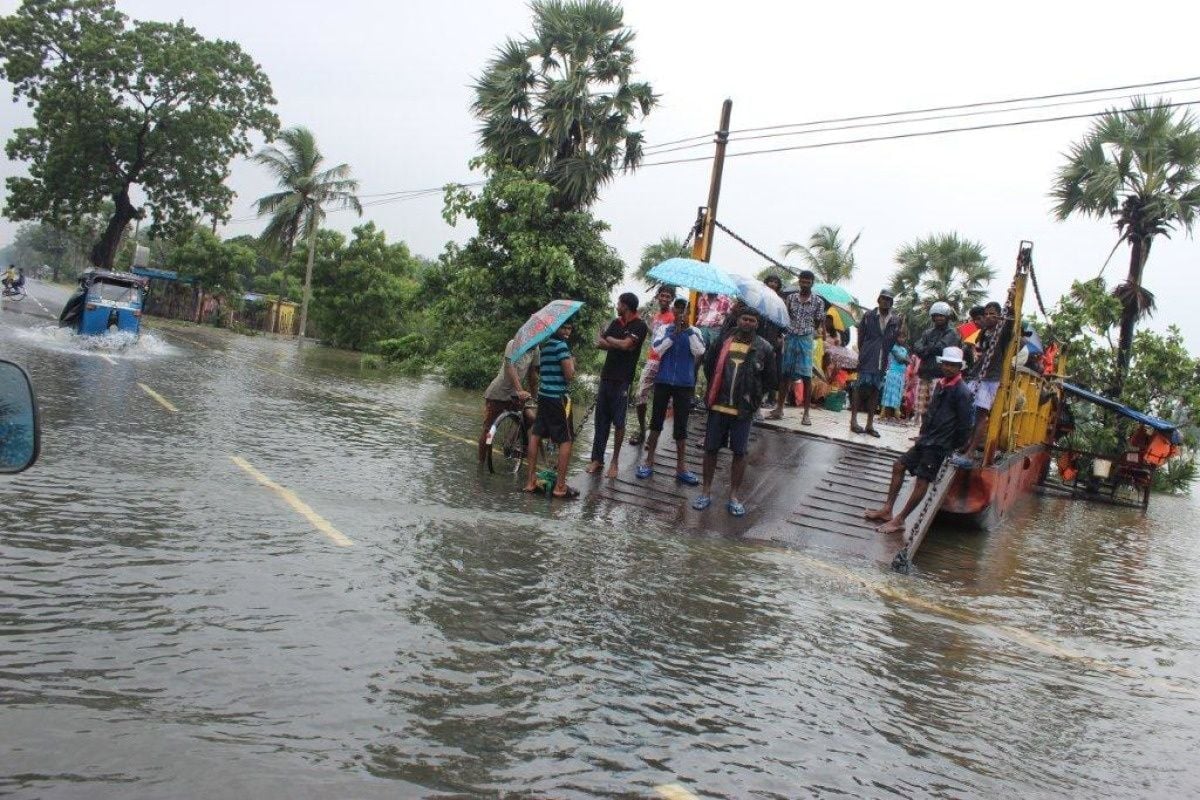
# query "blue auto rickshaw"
(106, 301)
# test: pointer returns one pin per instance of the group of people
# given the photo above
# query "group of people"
(744, 357)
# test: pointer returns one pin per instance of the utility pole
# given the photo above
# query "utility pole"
(702, 246)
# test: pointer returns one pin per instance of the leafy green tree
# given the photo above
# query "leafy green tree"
(305, 191)
(827, 254)
(361, 300)
(1141, 168)
(655, 254)
(525, 253)
(562, 101)
(119, 104)
(263, 265)
(941, 266)
(217, 266)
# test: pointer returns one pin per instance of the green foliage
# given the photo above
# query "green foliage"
(358, 296)
(217, 265)
(941, 266)
(1177, 475)
(561, 102)
(118, 104)
(525, 253)
(1139, 167)
(829, 256)
(784, 276)
(655, 254)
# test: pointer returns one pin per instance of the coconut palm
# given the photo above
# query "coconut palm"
(561, 101)
(826, 254)
(306, 191)
(655, 254)
(942, 266)
(1141, 168)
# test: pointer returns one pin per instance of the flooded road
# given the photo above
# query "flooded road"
(179, 619)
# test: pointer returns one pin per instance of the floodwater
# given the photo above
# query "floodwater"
(178, 623)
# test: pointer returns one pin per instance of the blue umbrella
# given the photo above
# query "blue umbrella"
(762, 298)
(692, 274)
(542, 325)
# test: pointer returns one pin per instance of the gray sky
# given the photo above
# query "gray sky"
(385, 89)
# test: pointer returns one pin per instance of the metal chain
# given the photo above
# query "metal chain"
(754, 249)
(1037, 292)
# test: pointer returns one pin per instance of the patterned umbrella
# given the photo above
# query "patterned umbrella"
(692, 274)
(542, 325)
(762, 298)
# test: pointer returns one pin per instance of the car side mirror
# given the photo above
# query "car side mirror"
(20, 428)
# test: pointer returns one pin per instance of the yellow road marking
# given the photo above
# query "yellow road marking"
(298, 505)
(162, 401)
(673, 791)
(108, 358)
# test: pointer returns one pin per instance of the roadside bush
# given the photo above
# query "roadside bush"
(472, 362)
(413, 345)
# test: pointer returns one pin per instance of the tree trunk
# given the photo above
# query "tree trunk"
(308, 268)
(105, 250)
(1138, 252)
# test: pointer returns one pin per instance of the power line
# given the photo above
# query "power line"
(981, 104)
(911, 135)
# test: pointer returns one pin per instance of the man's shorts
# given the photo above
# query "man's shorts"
(551, 422)
(646, 384)
(726, 430)
(797, 356)
(870, 380)
(985, 393)
(924, 461)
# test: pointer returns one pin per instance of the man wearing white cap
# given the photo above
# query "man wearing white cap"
(945, 428)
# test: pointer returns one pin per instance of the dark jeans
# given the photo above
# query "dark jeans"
(680, 398)
(612, 401)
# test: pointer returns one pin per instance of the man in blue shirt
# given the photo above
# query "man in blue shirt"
(556, 371)
(678, 346)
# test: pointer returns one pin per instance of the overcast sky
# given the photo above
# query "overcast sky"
(385, 88)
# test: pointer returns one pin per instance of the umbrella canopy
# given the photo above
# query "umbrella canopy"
(834, 294)
(542, 325)
(762, 298)
(843, 317)
(692, 274)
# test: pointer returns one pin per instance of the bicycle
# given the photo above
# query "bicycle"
(510, 435)
(15, 293)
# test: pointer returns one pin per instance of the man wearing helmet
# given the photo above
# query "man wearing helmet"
(928, 347)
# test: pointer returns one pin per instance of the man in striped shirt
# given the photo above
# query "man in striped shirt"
(555, 374)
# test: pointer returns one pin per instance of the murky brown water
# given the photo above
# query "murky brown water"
(171, 628)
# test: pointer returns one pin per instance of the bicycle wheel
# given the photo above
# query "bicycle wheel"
(506, 443)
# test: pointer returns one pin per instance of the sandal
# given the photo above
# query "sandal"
(702, 502)
(857, 429)
(644, 471)
(570, 494)
(776, 414)
(688, 477)
(635, 440)
(735, 508)
(873, 432)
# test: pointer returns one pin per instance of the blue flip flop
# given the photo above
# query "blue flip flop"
(688, 477)
(644, 471)
(702, 502)
(735, 508)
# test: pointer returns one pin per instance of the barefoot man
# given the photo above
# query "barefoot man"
(946, 426)
(622, 343)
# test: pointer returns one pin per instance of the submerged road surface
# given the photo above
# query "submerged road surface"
(245, 569)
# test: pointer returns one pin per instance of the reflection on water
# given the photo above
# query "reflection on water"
(170, 628)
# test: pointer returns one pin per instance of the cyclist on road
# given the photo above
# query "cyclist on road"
(507, 390)
(10, 277)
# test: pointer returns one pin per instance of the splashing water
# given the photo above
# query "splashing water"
(115, 344)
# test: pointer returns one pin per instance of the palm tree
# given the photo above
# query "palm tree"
(941, 266)
(1140, 167)
(655, 254)
(826, 254)
(305, 192)
(561, 101)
